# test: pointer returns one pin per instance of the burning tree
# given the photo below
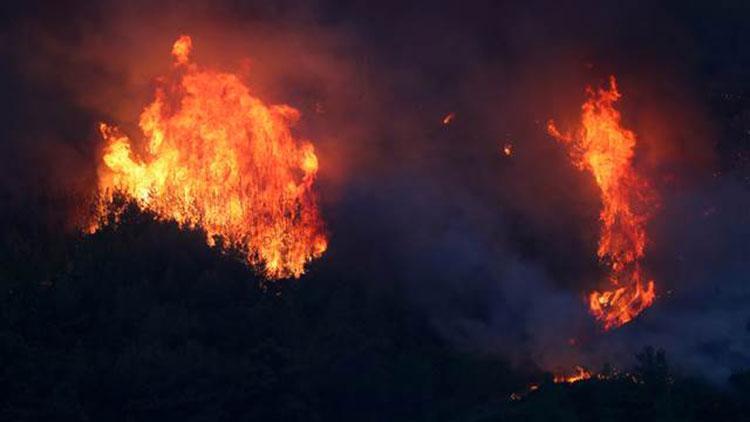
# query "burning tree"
(216, 157)
(604, 148)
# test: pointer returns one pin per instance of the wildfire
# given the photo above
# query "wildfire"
(604, 148)
(215, 156)
(580, 374)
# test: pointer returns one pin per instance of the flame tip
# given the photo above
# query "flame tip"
(181, 49)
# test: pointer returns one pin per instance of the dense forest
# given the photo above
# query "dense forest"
(142, 321)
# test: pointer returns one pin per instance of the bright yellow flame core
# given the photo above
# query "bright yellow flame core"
(219, 158)
(604, 148)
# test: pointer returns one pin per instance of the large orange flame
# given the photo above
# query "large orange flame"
(215, 156)
(603, 147)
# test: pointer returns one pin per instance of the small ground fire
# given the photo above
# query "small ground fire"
(216, 157)
(580, 374)
(603, 147)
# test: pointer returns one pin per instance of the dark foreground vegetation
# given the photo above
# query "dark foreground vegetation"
(147, 323)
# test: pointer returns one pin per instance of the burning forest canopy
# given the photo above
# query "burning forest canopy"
(220, 159)
(468, 212)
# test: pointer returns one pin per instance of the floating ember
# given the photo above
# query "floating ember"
(508, 149)
(604, 148)
(449, 118)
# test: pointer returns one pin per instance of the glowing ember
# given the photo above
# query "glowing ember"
(604, 148)
(449, 118)
(580, 374)
(508, 150)
(217, 157)
(181, 49)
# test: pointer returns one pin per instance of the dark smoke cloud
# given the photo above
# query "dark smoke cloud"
(499, 251)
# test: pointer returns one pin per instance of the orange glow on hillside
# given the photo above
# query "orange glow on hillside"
(604, 148)
(580, 374)
(214, 156)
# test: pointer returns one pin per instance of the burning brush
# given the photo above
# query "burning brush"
(215, 156)
(604, 148)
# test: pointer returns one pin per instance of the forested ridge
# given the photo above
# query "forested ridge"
(142, 321)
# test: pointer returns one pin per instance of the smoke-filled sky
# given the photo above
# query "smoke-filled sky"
(499, 251)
